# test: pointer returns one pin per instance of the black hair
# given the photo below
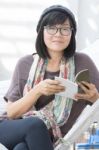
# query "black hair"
(53, 15)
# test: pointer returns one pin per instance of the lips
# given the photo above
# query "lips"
(57, 41)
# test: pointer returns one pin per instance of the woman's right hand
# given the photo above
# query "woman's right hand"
(49, 87)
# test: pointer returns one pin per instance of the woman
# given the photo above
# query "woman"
(33, 88)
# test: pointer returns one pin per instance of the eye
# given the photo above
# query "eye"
(66, 29)
(52, 28)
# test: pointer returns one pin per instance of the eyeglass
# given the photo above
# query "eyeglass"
(52, 30)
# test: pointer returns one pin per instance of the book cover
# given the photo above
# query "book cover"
(83, 75)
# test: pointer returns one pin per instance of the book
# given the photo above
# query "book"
(83, 75)
(72, 88)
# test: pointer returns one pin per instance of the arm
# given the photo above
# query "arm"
(19, 107)
(22, 105)
(14, 95)
(91, 93)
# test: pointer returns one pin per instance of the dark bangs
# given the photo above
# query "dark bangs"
(55, 18)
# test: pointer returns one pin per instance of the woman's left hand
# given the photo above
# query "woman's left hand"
(90, 92)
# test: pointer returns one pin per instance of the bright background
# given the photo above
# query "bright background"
(18, 20)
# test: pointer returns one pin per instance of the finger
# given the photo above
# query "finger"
(85, 83)
(49, 81)
(82, 96)
(54, 90)
(83, 87)
(56, 87)
(89, 85)
(53, 86)
(87, 96)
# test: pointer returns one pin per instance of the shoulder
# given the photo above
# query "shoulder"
(81, 56)
(23, 66)
(83, 60)
(25, 62)
(28, 59)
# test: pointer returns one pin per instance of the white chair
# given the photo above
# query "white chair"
(3, 89)
(89, 115)
(2, 147)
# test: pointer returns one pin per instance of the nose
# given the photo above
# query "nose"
(58, 32)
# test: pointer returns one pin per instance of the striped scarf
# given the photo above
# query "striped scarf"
(55, 113)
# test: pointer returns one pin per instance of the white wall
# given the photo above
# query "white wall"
(88, 23)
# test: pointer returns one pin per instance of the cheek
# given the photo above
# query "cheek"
(46, 38)
(67, 40)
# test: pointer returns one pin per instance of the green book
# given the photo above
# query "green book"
(83, 75)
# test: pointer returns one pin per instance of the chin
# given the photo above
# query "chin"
(58, 49)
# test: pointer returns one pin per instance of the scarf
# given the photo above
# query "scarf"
(55, 113)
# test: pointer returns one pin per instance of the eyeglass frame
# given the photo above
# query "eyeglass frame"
(47, 27)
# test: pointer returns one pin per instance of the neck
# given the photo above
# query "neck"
(54, 63)
(55, 57)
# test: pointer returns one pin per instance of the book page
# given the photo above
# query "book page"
(82, 75)
(71, 88)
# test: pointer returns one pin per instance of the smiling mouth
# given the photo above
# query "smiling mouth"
(57, 42)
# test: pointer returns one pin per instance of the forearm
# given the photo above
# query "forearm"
(21, 106)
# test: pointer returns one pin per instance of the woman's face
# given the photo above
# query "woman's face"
(57, 37)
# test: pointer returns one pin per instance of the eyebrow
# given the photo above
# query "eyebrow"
(66, 24)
